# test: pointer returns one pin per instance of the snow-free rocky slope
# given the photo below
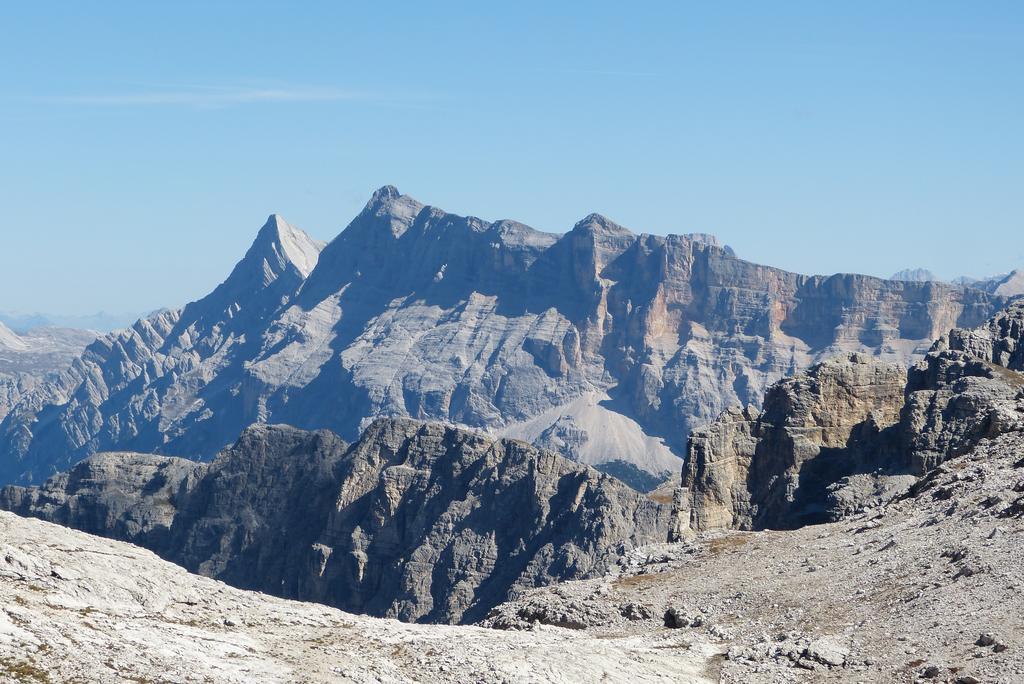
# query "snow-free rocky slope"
(422, 522)
(928, 588)
(78, 608)
(606, 345)
(32, 358)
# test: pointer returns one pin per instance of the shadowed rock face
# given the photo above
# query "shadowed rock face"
(852, 432)
(611, 344)
(416, 521)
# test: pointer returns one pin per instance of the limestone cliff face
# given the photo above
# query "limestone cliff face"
(611, 343)
(417, 521)
(969, 387)
(853, 431)
(771, 469)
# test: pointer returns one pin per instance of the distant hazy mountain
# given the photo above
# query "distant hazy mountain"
(1007, 285)
(27, 360)
(605, 345)
(100, 322)
(915, 275)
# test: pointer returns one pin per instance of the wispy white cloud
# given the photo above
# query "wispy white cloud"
(207, 96)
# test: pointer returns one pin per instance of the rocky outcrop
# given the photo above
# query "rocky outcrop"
(1006, 285)
(853, 432)
(126, 496)
(772, 468)
(969, 387)
(611, 343)
(422, 522)
(915, 275)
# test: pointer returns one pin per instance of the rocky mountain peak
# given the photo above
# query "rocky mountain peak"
(412, 311)
(284, 244)
(384, 194)
(601, 226)
(915, 275)
(1011, 285)
(275, 265)
(388, 208)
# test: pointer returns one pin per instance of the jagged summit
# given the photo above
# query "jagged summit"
(602, 225)
(282, 243)
(280, 249)
(387, 208)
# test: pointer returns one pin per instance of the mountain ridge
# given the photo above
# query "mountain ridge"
(618, 338)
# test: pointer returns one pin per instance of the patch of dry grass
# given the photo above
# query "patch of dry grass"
(729, 543)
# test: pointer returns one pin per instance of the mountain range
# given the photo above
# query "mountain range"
(880, 500)
(101, 322)
(603, 344)
(28, 360)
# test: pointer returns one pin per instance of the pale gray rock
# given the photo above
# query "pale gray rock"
(1006, 285)
(878, 597)
(612, 343)
(969, 387)
(422, 522)
(79, 608)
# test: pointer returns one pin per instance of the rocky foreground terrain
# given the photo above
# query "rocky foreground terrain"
(78, 608)
(929, 587)
(605, 345)
(418, 521)
(920, 577)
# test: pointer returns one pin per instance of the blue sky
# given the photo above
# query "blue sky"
(144, 144)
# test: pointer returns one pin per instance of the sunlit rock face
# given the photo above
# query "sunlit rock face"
(851, 432)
